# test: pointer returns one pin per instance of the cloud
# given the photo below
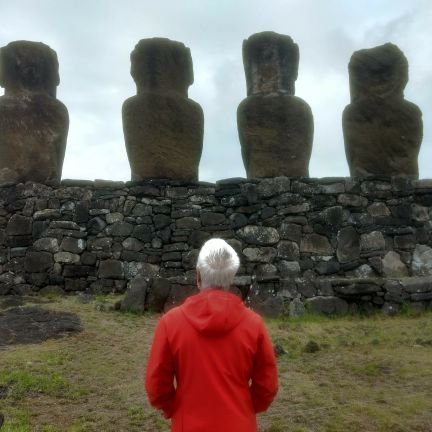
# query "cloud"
(94, 39)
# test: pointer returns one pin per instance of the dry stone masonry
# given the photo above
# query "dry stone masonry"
(275, 127)
(334, 244)
(163, 128)
(331, 245)
(33, 123)
(382, 131)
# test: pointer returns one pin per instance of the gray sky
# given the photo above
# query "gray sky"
(94, 38)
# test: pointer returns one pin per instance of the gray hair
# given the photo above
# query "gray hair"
(217, 264)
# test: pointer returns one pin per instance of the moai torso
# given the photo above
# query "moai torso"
(382, 131)
(275, 127)
(163, 128)
(33, 123)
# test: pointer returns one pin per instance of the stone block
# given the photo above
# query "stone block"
(288, 250)
(46, 244)
(161, 221)
(66, 257)
(19, 225)
(288, 269)
(290, 231)
(404, 242)
(258, 235)
(351, 200)
(421, 263)
(143, 233)
(327, 305)
(132, 269)
(95, 225)
(88, 258)
(99, 244)
(74, 270)
(211, 218)
(133, 244)
(357, 289)
(296, 308)
(327, 267)
(135, 296)
(393, 266)
(416, 285)
(158, 294)
(74, 245)
(373, 241)
(238, 220)
(112, 218)
(111, 269)
(306, 288)
(191, 223)
(120, 229)
(316, 244)
(271, 307)
(378, 209)
(75, 285)
(262, 255)
(38, 262)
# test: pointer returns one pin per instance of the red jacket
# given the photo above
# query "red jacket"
(211, 365)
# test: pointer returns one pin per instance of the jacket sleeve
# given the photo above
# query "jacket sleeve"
(264, 384)
(160, 372)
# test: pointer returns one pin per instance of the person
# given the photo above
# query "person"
(212, 366)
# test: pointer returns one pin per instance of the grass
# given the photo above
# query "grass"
(370, 374)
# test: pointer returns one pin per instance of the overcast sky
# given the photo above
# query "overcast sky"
(94, 38)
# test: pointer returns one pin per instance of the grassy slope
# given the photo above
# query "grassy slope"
(370, 374)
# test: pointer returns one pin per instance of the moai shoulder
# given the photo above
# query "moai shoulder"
(33, 123)
(275, 127)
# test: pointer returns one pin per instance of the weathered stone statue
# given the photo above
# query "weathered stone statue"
(275, 127)
(163, 128)
(382, 131)
(33, 123)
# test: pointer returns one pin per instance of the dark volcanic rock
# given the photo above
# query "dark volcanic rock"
(275, 127)
(37, 262)
(327, 305)
(135, 296)
(348, 248)
(258, 235)
(19, 225)
(158, 294)
(25, 325)
(163, 128)
(33, 123)
(382, 131)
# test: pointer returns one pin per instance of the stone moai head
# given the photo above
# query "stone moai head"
(28, 67)
(378, 72)
(271, 63)
(162, 65)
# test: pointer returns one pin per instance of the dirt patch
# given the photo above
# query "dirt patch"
(27, 325)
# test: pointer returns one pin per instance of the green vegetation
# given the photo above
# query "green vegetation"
(370, 373)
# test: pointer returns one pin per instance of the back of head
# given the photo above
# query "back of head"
(217, 264)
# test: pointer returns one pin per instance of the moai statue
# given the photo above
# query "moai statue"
(275, 127)
(382, 131)
(33, 123)
(163, 128)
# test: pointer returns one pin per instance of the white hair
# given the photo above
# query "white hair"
(217, 264)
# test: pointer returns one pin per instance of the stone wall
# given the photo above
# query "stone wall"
(334, 243)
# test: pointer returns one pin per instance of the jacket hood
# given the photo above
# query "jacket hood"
(213, 312)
